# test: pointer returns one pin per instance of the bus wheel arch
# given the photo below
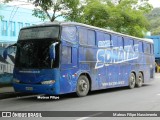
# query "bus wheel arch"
(132, 80)
(140, 79)
(83, 85)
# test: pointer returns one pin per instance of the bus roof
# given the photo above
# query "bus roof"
(89, 26)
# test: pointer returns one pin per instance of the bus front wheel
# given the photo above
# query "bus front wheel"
(132, 81)
(82, 86)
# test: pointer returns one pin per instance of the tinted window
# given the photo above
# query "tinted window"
(128, 44)
(35, 54)
(69, 33)
(87, 37)
(152, 50)
(100, 36)
(83, 36)
(120, 41)
(114, 41)
(136, 45)
(66, 55)
(140, 47)
(39, 33)
(146, 48)
(91, 38)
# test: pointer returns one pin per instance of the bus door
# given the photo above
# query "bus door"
(68, 64)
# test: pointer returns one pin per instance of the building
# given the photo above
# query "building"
(15, 16)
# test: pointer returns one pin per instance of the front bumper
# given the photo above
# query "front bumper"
(36, 88)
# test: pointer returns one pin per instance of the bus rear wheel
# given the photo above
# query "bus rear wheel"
(82, 86)
(132, 81)
(139, 81)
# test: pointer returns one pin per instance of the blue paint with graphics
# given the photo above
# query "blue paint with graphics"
(107, 58)
(34, 77)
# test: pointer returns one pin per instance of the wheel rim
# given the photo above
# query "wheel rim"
(83, 85)
(132, 81)
(140, 80)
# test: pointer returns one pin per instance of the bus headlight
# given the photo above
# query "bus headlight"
(48, 82)
(16, 80)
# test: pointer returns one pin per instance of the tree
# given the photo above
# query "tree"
(75, 11)
(55, 8)
(125, 16)
(1, 17)
(132, 16)
(95, 13)
(51, 9)
(154, 19)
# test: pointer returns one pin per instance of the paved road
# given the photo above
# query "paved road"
(146, 98)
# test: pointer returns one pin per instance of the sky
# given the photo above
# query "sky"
(155, 3)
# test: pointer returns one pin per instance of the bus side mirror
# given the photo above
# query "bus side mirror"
(52, 51)
(5, 52)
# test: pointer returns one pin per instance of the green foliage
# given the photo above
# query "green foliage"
(39, 13)
(1, 17)
(154, 19)
(74, 11)
(131, 21)
(127, 16)
(6, 1)
(53, 9)
(156, 31)
(96, 14)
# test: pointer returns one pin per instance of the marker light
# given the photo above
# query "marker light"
(16, 80)
(48, 82)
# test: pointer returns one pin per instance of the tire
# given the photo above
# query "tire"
(139, 80)
(132, 81)
(82, 86)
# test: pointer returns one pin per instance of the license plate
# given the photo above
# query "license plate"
(29, 88)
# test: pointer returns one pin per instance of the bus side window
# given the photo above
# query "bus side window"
(140, 47)
(66, 55)
(69, 33)
(107, 37)
(91, 39)
(83, 36)
(87, 37)
(114, 41)
(146, 48)
(128, 43)
(99, 38)
(136, 46)
(120, 42)
(152, 50)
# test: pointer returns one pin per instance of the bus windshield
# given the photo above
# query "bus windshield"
(33, 48)
(39, 33)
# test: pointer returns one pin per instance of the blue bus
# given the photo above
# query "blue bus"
(58, 58)
(156, 40)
